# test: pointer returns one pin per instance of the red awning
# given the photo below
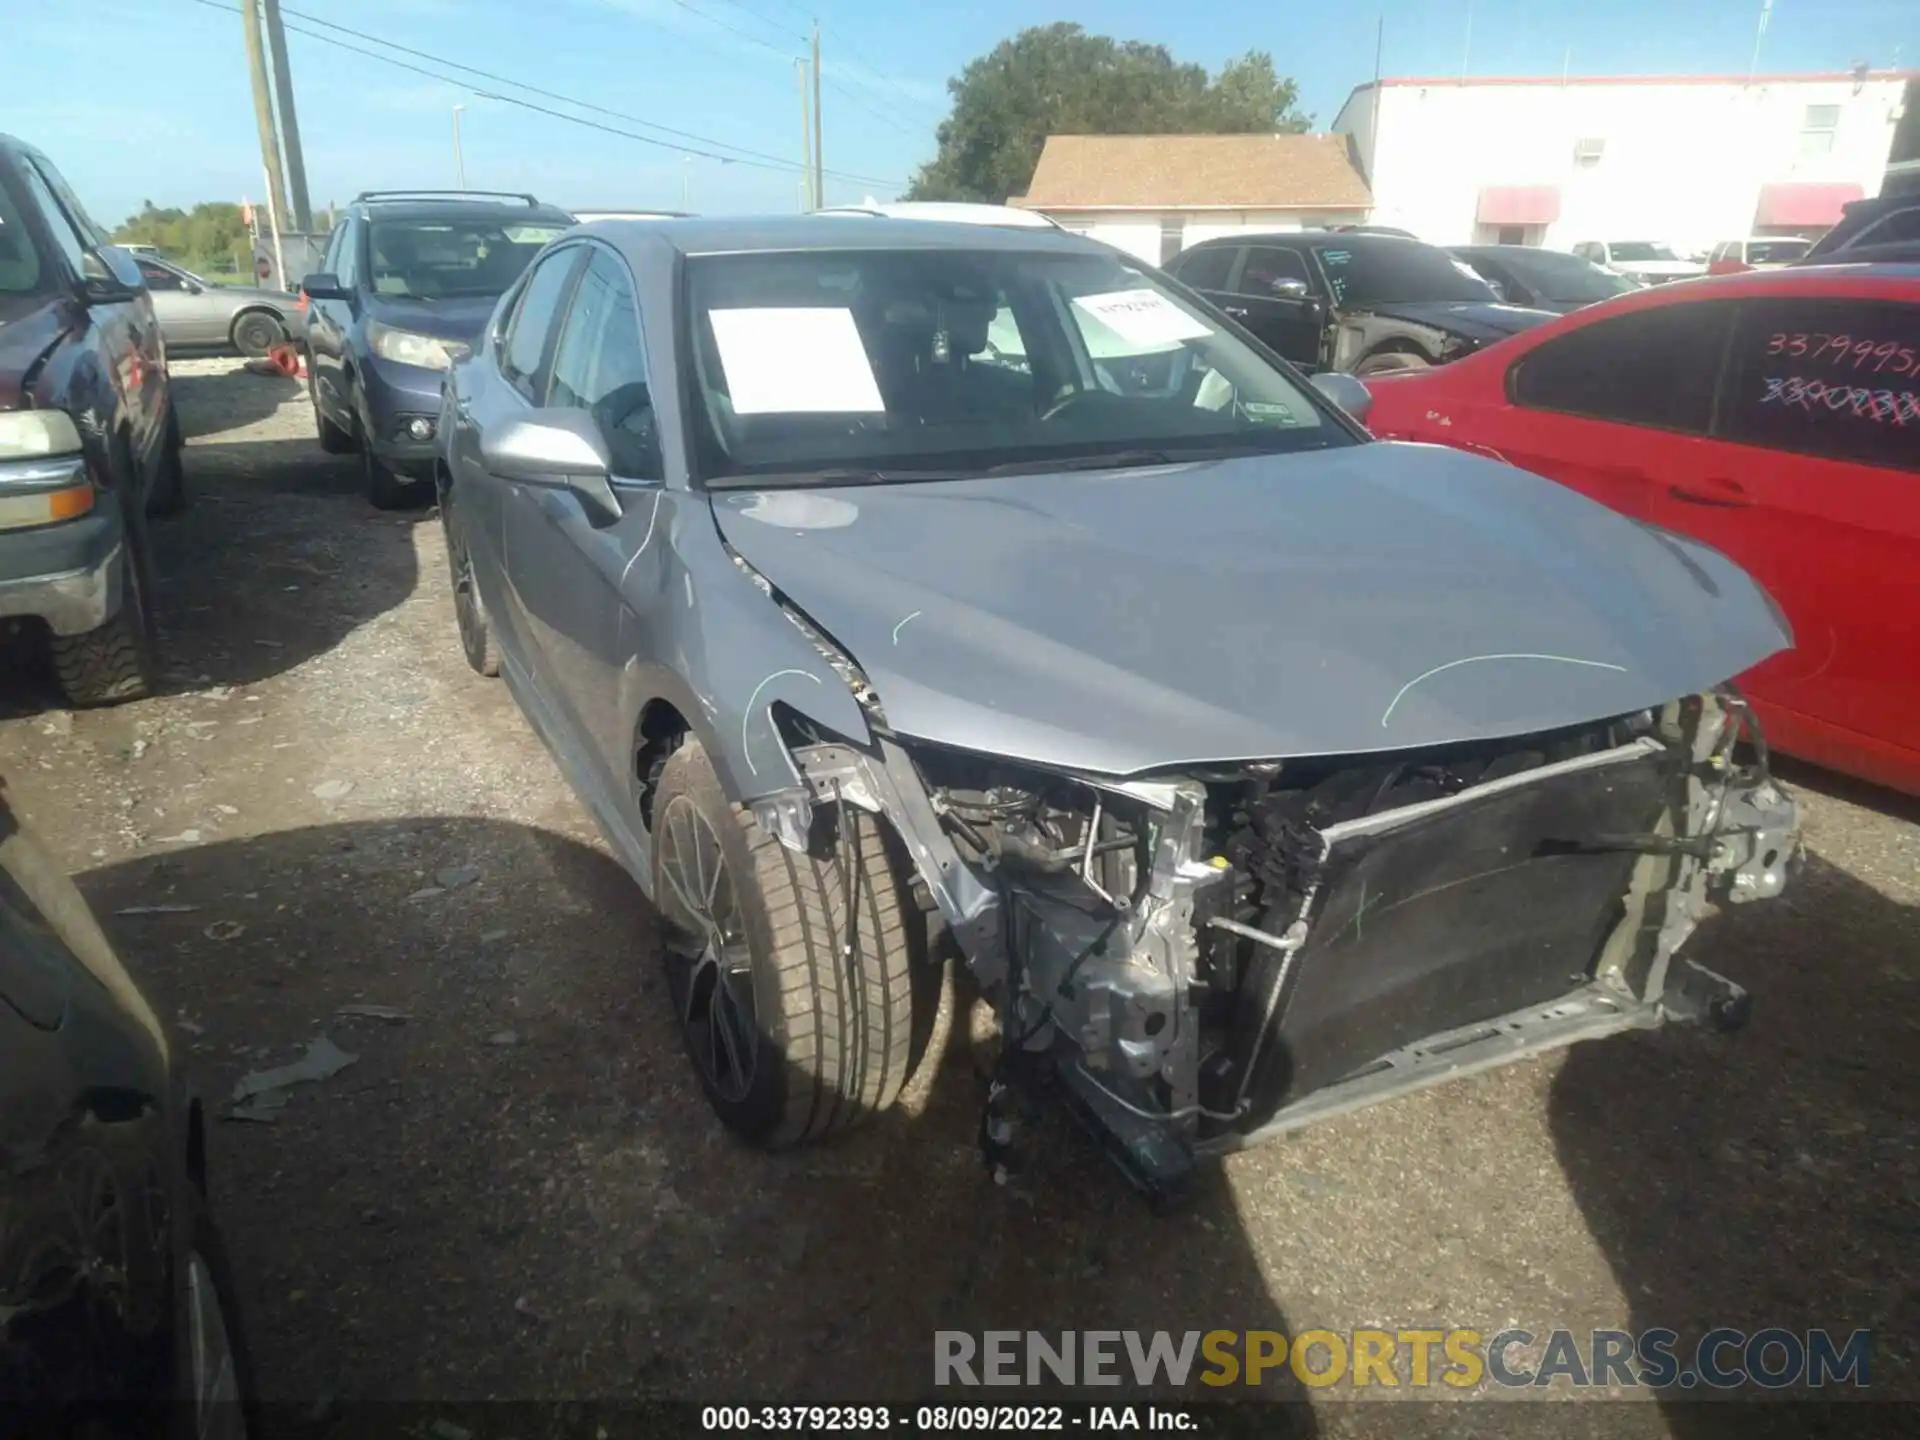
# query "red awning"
(1518, 205)
(1802, 205)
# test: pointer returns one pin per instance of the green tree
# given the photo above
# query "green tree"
(210, 237)
(1058, 79)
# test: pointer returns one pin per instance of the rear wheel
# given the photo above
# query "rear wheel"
(214, 1396)
(257, 332)
(469, 611)
(798, 1017)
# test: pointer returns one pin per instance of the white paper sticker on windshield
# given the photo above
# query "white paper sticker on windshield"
(1143, 317)
(801, 361)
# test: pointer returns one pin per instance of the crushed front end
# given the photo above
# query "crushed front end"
(1204, 960)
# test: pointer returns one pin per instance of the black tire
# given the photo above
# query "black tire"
(169, 493)
(388, 490)
(1390, 361)
(255, 332)
(469, 610)
(115, 662)
(333, 438)
(832, 1035)
(234, 1408)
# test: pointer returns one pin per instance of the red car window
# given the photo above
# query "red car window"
(1655, 367)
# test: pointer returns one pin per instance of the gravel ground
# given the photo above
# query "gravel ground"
(516, 1191)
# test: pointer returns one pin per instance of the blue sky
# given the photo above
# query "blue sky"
(177, 126)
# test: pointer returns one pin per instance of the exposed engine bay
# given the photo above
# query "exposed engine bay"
(1205, 960)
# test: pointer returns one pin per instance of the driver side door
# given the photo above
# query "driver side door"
(1274, 296)
(565, 559)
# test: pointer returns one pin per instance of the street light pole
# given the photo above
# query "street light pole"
(459, 163)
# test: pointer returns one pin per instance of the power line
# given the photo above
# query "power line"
(756, 159)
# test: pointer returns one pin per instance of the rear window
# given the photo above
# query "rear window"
(20, 268)
(1835, 379)
(1388, 271)
(1654, 367)
(1776, 252)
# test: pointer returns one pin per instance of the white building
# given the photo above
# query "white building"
(1154, 195)
(1692, 159)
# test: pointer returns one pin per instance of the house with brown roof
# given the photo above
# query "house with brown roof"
(1154, 195)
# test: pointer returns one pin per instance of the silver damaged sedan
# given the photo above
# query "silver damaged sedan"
(899, 594)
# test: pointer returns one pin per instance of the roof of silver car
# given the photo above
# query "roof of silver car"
(728, 235)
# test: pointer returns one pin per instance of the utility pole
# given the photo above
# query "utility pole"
(263, 107)
(819, 170)
(289, 121)
(459, 163)
(807, 200)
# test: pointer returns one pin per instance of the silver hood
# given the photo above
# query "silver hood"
(1374, 597)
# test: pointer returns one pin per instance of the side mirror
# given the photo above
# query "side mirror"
(1289, 288)
(1346, 392)
(558, 449)
(323, 285)
(109, 276)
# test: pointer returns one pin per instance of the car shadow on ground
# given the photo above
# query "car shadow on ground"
(277, 559)
(518, 1191)
(212, 403)
(1767, 1178)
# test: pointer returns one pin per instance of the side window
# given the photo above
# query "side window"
(1205, 269)
(330, 263)
(532, 323)
(348, 259)
(600, 366)
(1901, 225)
(90, 233)
(158, 277)
(70, 241)
(1265, 267)
(1835, 378)
(1654, 367)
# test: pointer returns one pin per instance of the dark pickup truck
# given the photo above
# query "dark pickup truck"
(89, 443)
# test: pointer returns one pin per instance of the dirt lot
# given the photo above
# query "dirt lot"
(517, 1192)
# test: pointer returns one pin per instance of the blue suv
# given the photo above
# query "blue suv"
(409, 280)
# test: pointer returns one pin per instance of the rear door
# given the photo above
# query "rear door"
(1618, 408)
(1276, 295)
(505, 391)
(1813, 486)
(565, 565)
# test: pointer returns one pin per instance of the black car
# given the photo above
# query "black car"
(406, 287)
(116, 1311)
(89, 442)
(1885, 230)
(1542, 279)
(1359, 303)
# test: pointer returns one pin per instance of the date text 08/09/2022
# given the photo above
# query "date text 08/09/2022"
(934, 1419)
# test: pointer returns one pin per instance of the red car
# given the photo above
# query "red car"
(1774, 415)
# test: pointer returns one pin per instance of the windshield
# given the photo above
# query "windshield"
(1776, 252)
(19, 261)
(1635, 250)
(442, 259)
(1398, 271)
(1554, 276)
(885, 362)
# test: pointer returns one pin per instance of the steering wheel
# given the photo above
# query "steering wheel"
(1069, 401)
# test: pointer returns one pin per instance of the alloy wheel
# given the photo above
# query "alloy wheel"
(708, 943)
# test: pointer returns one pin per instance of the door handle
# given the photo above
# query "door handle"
(1239, 312)
(1723, 494)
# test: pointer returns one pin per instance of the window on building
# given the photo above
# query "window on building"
(1839, 379)
(1654, 367)
(1510, 235)
(1173, 232)
(1816, 130)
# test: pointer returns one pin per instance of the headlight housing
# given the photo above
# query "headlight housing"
(37, 434)
(405, 347)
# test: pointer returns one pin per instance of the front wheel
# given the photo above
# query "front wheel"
(116, 661)
(334, 439)
(169, 493)
(469, 611)
(798, 1017)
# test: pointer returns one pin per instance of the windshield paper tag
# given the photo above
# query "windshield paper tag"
(802, 361)
(1142, 317)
